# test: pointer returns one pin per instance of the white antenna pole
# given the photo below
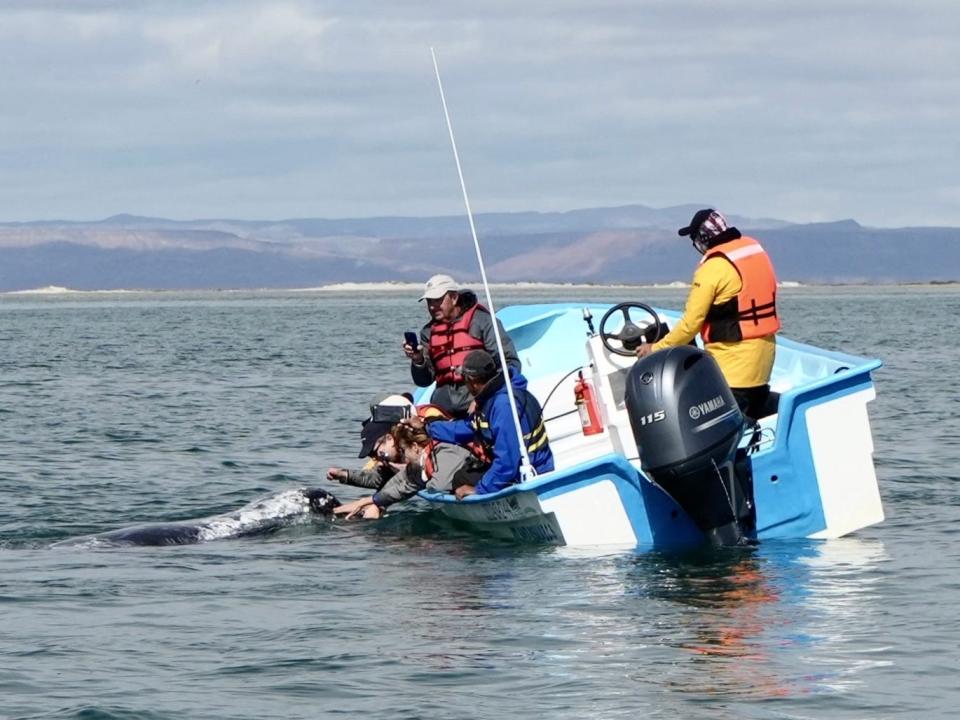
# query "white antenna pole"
(526, 469)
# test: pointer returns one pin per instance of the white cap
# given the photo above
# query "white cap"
(438, 286)
(395, 401)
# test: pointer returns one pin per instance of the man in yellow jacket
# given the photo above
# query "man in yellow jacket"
(732, 304)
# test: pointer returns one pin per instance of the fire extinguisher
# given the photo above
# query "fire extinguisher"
(586, 401)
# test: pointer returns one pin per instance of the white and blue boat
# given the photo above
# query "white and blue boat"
(804, 471)
(670, 459)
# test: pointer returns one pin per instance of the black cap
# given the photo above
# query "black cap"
(370, 433)
(695, 222)
(479, 364)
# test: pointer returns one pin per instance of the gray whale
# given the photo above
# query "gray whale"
(260, 516)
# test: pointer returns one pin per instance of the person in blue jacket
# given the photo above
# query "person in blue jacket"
(492, 424)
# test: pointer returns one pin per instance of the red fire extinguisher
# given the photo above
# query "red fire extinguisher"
(586, 401)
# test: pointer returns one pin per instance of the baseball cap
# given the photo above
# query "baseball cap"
(695, 222)
(374, 429)
(438, 286)
(707, 224)
(479, 363)
(370, 434)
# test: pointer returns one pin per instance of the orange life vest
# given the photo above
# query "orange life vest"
(429, 413)
(450, 342)
(430, 459)
(753, 312)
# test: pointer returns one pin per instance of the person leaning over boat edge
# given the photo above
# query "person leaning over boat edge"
(430, 465)
(732, 304)
(385, 466)
(375, 445)
(492, 424)
(458, 325)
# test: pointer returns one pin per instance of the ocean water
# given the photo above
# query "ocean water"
(124, 409)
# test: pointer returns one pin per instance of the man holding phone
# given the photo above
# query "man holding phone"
(458, 325)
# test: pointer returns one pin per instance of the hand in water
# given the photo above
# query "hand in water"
(364, 507)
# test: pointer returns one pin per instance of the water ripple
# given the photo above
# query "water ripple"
(163, 408)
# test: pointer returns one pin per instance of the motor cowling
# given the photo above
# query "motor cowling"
(687, 426)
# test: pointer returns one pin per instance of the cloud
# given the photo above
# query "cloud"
(265, 109)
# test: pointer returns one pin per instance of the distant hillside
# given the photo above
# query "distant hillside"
(624, 244)
(845, 252)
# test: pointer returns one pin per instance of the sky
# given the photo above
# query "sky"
(805, 111)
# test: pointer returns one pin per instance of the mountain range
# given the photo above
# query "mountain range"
(629, 244)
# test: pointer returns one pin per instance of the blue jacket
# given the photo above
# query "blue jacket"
(492, 424)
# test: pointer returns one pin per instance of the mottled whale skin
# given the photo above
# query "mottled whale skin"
(261, 516)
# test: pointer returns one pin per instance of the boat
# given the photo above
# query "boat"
(661, 456)
(655, 452)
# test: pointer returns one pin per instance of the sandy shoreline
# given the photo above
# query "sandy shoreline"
(385, 287)
(388, 287)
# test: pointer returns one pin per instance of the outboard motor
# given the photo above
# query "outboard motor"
(687, 425)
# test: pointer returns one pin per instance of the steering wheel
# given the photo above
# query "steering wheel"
(631, 335)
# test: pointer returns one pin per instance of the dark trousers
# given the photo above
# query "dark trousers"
(470, 474)
(756, 402)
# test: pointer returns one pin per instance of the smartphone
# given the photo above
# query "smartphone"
(412, 339)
